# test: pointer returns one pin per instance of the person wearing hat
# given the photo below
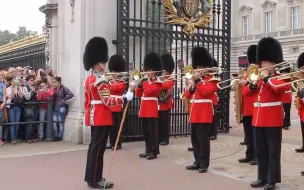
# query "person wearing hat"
(247, 111)
(202, 88)
(148, 90)
(268, 114)
(118, 86)
(213, 129)
(98, 114)
(300, 94)
(166, 100)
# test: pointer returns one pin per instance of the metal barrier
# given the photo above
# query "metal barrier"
(49, 133)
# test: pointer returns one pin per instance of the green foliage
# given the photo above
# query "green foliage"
(6, 36)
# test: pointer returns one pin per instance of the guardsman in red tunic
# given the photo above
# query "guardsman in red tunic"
(166, 100)
(287, 100)
(148, 90)
(118, 87)
(213, 130)
(98, 114)
(248, 98)
(203, 86)
(300, 95)
(268, 115)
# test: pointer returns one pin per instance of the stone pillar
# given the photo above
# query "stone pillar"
(78, 21)
(50, 30)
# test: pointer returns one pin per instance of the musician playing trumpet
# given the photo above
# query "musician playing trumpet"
(247, 111)
(300, 98)
(166, 99)
(268, 114)
(202, 88)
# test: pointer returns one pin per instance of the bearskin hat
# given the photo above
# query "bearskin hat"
(215, 63)
(201, 57)
(116, 64)
(251, 54)
(152, 61)
(96, 51)
(300, 61)
(168, 62)
(269, 49)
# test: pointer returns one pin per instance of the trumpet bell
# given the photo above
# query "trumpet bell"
(188, 69)
(253, 72)
(188, 76)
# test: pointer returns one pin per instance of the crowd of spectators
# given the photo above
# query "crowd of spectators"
(20, 90)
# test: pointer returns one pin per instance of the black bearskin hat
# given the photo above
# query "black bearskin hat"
(168, 62)
(251, 54)
(153, 62)
(96, 51)
(215, 63)
(201, 57)
(116, 64)
(300, 60)
(269, 49)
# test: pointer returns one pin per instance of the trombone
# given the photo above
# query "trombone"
(296, 76)
(188, 72)
(253, 72)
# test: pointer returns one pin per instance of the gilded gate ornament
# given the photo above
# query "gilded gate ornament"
(188, 13)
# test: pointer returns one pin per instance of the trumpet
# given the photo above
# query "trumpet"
(136, 75)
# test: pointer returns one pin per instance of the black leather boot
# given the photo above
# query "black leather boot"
(258, 183)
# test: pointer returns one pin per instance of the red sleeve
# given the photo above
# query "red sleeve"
(118, 87)
(188, 95)
(51, 92)
(104, 92)
(86, 95)
(39, 96)
(207, 89)
(168, 85)
(273, 82)
(139, 92)
(246, 91)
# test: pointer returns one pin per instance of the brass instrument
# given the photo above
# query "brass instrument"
(255, 75)
(238, 98)
(186, 102)
(296, 77)
(239, 79)
(188, 72)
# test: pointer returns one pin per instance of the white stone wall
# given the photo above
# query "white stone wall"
(291, 40)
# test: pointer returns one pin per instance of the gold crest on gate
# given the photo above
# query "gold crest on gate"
(189, 13)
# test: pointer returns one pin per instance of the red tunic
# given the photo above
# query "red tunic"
(301, 109)
(118, 87)
(98, 101)
(287, 96)
(169, 84)
(215, 99)
(268, 108)
(201, 110)
(149, 93)
(248, 98)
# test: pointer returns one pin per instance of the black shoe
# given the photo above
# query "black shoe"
(190, 148)
(258, 184)
(164, 143)
(286, 128)
(108, 146)
(302, 173)
(192, 167)
(244, 160)
(151, 156)
(212, 138)
(253, 162)
(300, 150)
(269, 186)
(143, 155)
(101, 185)
(202, 170)
(242, 143)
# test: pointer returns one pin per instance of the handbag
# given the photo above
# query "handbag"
(29, 112)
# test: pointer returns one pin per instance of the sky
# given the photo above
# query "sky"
(15, 13)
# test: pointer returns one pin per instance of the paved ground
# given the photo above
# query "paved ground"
(48, 166)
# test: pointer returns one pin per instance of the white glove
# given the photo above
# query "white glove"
(129, 95)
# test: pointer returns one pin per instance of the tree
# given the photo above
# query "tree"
(6, 36)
